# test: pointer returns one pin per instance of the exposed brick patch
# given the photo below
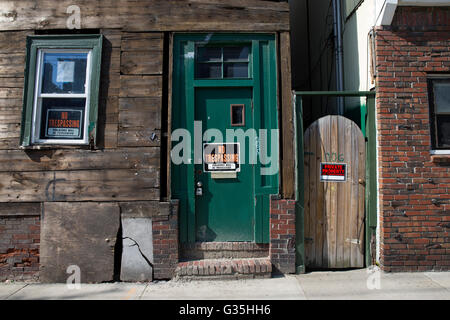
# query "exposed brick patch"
(282, 234)
(165, 244)
(414, 186)
(225, 268)
(19, 247)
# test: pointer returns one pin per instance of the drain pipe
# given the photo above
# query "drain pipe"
(339, 53)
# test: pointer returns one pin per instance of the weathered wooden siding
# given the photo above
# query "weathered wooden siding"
(125, 165)
(148, 15)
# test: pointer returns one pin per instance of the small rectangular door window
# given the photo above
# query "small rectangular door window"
(237, 115)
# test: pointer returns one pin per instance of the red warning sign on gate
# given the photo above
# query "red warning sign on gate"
(336, 172)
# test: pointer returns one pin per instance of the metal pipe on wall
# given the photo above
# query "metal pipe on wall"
(338, 52)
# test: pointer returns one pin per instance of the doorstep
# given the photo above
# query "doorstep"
(209, 269)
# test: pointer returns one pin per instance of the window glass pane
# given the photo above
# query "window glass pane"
(443, 131)
(62, 118)
(211, 54)
(237, 115)
(209, 70)
(235, 70)
(236, 53)
(64, 72)
(350, 5)
(442, 96)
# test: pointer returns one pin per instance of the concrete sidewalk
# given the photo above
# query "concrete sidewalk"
(355, 284)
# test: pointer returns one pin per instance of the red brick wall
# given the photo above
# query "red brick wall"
(165, 244)
(282, 234)
(19, 247)
(414, 187)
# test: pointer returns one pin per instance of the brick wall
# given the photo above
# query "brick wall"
(165, 244)
(414, 186)
(19, 247)
(282, 234)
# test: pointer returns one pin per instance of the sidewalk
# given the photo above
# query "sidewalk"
(353, 284)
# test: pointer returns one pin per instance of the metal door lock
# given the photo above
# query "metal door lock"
(199, 189)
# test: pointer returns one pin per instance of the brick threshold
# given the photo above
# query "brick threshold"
(221, 269)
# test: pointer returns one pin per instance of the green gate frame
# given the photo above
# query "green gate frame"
(369, 131)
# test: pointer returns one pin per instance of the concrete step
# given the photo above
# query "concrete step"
(207, 269)
(224, 250)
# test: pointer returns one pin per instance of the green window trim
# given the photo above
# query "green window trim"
(61, 42)
(222, 61)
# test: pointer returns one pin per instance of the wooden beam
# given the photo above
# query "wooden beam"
(78, 159)
(20, 209)
(81, 185)
(150, 15)
(287, 118)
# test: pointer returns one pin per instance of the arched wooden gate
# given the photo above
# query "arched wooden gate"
(334, 170)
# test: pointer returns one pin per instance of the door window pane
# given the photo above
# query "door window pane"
(235, 70)
(237, 115)
(209, 54)
(209, 70)
(64, 72)
(236, 53)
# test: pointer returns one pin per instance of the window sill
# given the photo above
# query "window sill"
(440, 158)
(55, 146)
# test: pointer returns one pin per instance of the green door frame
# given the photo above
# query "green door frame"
(369, 131)
(263, 81)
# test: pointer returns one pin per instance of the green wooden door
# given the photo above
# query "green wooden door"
(225, 210)
(212, 72)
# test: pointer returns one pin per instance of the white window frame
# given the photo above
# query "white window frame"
(38, 96)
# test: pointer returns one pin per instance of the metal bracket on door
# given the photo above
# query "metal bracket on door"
(223, 175)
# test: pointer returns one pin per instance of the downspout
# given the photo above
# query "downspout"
(338, 53)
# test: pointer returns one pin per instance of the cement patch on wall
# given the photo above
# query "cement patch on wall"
(137, 251)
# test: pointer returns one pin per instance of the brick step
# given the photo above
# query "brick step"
(207, 269)
(224, 250)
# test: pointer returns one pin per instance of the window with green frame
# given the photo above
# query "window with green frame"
(222, 62)
(61, 90)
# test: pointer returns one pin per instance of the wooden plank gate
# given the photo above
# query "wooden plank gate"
(334, 173)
